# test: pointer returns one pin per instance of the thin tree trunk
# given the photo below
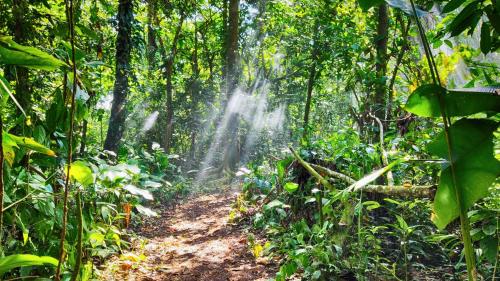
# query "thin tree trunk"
(399, 59)
(381, 62)
(1, 177)
(194, 96)
(310, 87)
(123, 47)
(311, 81)
(169, 67)
(151, 37)
(83, 143)
(21, 74)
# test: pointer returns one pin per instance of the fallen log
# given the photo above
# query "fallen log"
(398, 190)
(315, 174)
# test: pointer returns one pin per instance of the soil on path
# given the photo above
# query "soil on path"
(191, 242)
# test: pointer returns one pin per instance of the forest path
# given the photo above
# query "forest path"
(189, 242)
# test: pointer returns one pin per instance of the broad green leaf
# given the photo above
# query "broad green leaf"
(8, 148)
(80, 172)
(371, 205)
(424, 101)
(367, 4)
(14, 261)
(493, 13)
(452, 5)
(12, 53)
(291, 187)
(464, 19)
(30, 143)
(138, 191)
(146, 211)
(374, 175)
(489, 245)
(274, 204)
(485, 43)
(96, 239)
(281, 167)
(476, 167)
(402, 223)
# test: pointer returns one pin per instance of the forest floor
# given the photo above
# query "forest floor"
(191, 241)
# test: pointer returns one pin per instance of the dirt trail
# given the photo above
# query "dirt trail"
(192, 242)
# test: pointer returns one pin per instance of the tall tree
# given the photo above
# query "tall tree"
(121, 89)
(18, 73)
(232, 153)
(168, 74)
(311, 80)
(151, 36)
(194, 89)
(381, 38)
(232, 47)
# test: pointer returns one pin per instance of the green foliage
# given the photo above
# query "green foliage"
(12, 53)
(291, 187)
(425, 101)
(11, 142)
(80, 172)
(367, 4)
(10, 262)
(315, 233)
(475, 167)
(374, 175)
(471, 13)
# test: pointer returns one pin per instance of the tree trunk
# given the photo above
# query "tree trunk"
(225, 11)
(121, 90)
(379, 100)
(232, 48)
(310, 87)
(1, 177)
(169, 69)
(21, 74)
(194, 89)
(232, 153)
(310, 81)
(151, 47)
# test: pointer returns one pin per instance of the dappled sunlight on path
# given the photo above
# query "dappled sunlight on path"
(192, 242)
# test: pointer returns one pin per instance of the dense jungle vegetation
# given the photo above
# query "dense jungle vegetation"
(362, 135)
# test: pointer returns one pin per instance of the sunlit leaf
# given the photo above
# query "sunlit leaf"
(80, 172)
(146, 211)
(281, 167)
(374, 175)
(138, 191)
(30, 143)
(371, 205)
(424, 101)
(291, 187)
(476, 167)
(14, 261)
(12, 53)
(8, 148)
(275, 204)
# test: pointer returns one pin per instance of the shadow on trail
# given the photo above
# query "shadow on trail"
(193, 241)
